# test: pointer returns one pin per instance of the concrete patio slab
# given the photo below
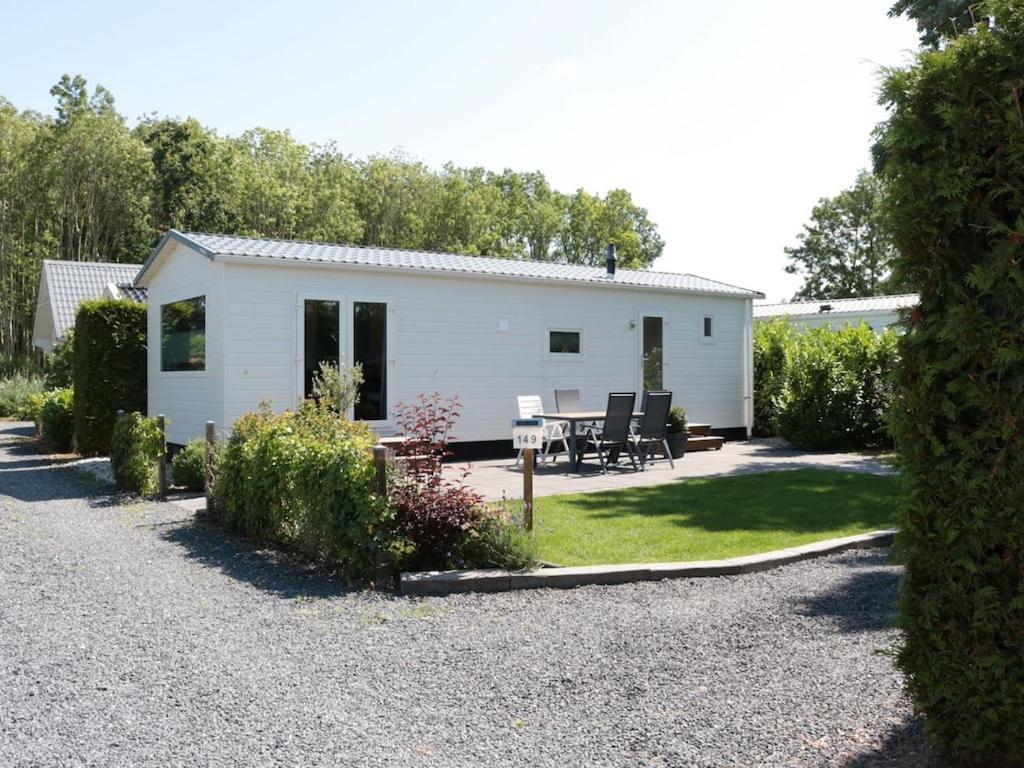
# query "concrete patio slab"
(502, 478)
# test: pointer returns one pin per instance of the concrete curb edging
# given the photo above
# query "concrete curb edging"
(496, 580)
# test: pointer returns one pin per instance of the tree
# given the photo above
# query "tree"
(846, 249)
(195, 189)
(82, 185)
(952, 154)
(938, 19)
(590, 223)
(97, 177)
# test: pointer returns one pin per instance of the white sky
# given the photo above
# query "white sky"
(727, 120)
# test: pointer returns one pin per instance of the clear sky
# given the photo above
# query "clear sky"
(727, 120)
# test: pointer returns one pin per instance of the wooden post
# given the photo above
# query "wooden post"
(161, 467)
(380, 464)
(528, 488)
(211, 439)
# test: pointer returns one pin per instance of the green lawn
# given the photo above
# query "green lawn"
(706, 519)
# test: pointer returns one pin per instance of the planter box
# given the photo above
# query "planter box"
(677, 443)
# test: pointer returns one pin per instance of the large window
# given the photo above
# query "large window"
(183, 335)
(321, 338)
(370, 350)
(564, 342)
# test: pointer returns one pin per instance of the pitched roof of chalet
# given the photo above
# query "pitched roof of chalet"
(214, 246)
(836, 306)
(69, 283)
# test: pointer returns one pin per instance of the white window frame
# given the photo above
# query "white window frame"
(346, 304)
(700, 329)
(174, 298)
(564, 357)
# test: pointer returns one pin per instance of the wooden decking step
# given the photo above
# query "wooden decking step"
(699, 429)
(704, 443)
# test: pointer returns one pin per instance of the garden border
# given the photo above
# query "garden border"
(496, 580)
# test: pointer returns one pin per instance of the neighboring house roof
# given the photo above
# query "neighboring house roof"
(130, 292)
(69, 283)
(837, 306)
(214, 246)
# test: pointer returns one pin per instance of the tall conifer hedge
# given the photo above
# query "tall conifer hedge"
(953, 154)
(109, 369)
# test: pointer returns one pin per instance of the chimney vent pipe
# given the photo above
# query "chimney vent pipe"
(610, 260)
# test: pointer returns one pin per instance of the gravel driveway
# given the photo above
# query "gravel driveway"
(132, 636)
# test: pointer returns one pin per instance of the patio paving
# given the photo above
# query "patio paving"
(500, 477)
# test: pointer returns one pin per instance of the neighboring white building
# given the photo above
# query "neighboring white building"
(879, 312)
(63, 285)
(234, 321)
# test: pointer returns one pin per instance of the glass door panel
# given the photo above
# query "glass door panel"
(653, 350)
(370, 350)
(321, 338)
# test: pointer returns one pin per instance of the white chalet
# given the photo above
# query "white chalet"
(234, 321)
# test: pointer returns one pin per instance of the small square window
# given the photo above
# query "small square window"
(708, 329)
(183, 335)
(564, 342)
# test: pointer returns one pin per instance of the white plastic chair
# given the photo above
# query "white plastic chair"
(554, 431)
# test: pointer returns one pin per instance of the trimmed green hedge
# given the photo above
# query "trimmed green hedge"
(135, 452)
(56, 419)
(824, 388)
(109, 369)
(306, 481)
(952, 154)
(772, 342)
(838, 388)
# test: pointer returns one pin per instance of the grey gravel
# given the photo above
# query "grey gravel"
(133, 635)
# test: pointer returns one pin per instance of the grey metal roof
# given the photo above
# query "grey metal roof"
(69, 283)
(131, 292)
(288, 250)
(838, 306)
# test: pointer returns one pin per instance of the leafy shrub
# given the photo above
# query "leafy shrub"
(772, 341)
(109, 369)
(58, 366)
(677, 421)
(440, 522)
(305, 480)
(953, 154)
(337, 387)
(188, 468)
(16, 393)
(34, 407)
(56, 422)
(437, 519)
(838, 388)
(135, 452)
(426, 426)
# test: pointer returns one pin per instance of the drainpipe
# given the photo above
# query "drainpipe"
(748, 366)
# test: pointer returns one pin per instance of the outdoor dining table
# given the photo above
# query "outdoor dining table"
(574, 418)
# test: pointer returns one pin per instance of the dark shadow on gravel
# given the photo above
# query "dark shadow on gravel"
(904, 746)
(17, 428)
(864, 602)
(271, 571)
